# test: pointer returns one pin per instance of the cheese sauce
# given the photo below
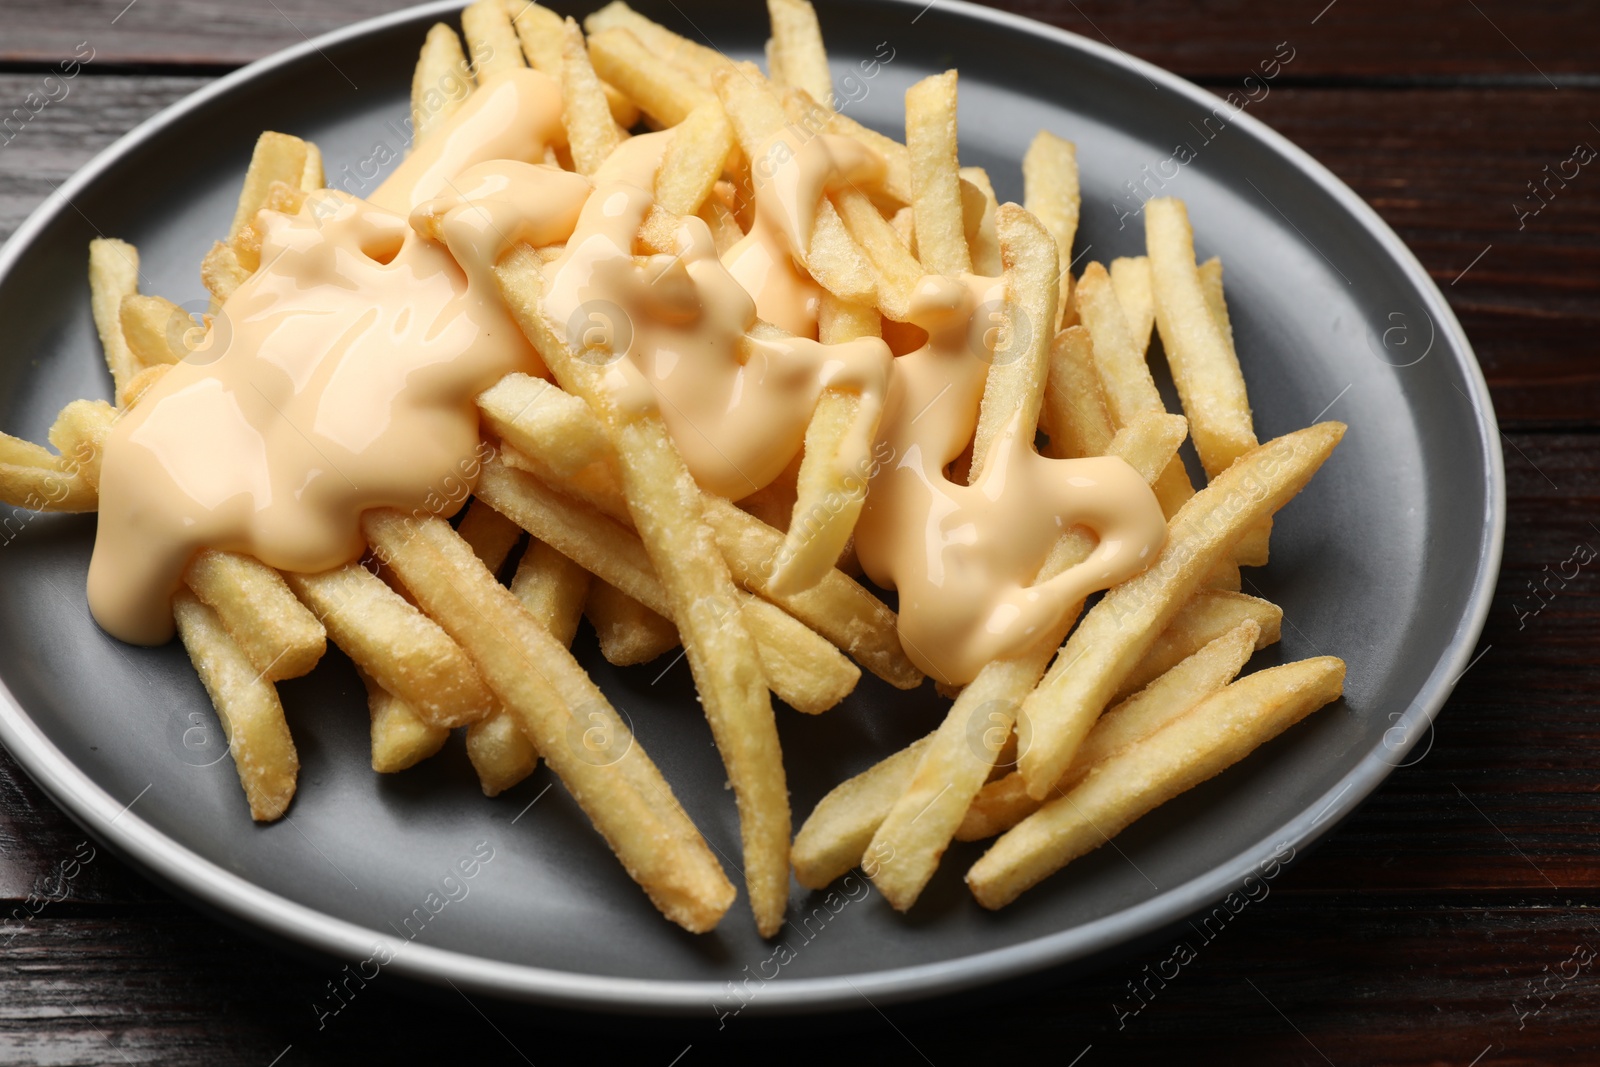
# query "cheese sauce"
(341, 376)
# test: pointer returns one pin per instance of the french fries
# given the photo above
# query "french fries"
(629, 632)
(441, 83)
(276, 633)
(591, 131)
(795, 52)
(1050, 192)
(113, 277)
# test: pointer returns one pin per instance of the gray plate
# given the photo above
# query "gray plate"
(1388, 560)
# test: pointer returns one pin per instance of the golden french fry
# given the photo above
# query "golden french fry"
(247, 706)
(222, 273)
(694, 160)
(809, 674)
(918, 828)
(312, 177)
(629, 632)
(935, 175)
(978, 209)
(662, 90)
(542, 34)
(566, 716)
(155, 329)
(400, 737)
(491, 535)
(113, 276)
(79, 434)
(1208, 615)
(1014, 390)
(796, 49)
(278, 157)
(695, 59)
(491, 41)
(1004, 802)
(1124, 624)
(591, 131)
(1130, 277)
(500, 752)
(1220, 731)
(403, 650)
(552, 588)
(1074, 412)
(836, 834)
(894, 268)
(276, 633)
(1050, 191)
(441, 82)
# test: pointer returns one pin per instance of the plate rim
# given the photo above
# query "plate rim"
(263, 912)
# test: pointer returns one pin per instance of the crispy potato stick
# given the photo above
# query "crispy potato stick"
(694, 160)
(1124, 374)
(552, 588)
(156, 330)
(613, 553)
(491, 41)
(276, 633)
(591, 131)
(247, 706)
(978, 209)
(588, 746)
(312, 177)
(918, 828)
(551, 421)
(113, 277)
(796, 49)
(809, 675)
(1003, 803)
(403, 650)
(79, 434)
(400, 738)
(1208, 615)
(541, 33)
(1124, 624)
(894, 268)
(1204, 367)
(698, 61)
(1014, 391)
(32, 477)
(1050, 191)
(1219, 732)
(828, 493)
(441, 82)
(1074, 412)
(490, 534)
(1130, 277)
(278, 157)
(839, 829)
(662, 90)
(809, 115)
(665, 505)
(629, 632)
(935, 175)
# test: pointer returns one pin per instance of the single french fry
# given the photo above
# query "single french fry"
(1253, 548)
(1124, 624)
(1050, 191)
(963, 753)
(1225, 575)
(809, 674)
(542, 34)
(79, 434)
(156, 329)
(935, 175)
(441, 82)
(400, 737)
(665, 505)
(591, 131)
(1074, 412)
(247, 706)
(1219, 732)
(569, 720)
(403, 650)
(836, 834)
(276, 633)
(491, 535)
(46, 488)
(696, 60)
(798, 50)
(491, 42)
(312, 176)
(894, 268)
(694, 160)
(1004, 802)
(978, 209)
(629, 632)
(1208, 615)
(222, 273)
(1130, 277)
(500, 752)
(278, 157)
(663, 91)
(113, 277)
(1014, 390)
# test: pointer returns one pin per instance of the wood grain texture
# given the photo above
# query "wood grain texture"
(1448, 921)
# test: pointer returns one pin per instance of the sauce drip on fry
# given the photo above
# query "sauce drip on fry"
(341, 376)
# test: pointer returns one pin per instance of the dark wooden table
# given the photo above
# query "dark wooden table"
(1451, 921)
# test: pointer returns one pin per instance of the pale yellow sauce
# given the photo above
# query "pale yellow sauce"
(345, 371)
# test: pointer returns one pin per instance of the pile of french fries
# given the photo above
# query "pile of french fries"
(586, 509)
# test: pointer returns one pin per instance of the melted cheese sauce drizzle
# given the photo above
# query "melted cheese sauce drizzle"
(345, 369)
